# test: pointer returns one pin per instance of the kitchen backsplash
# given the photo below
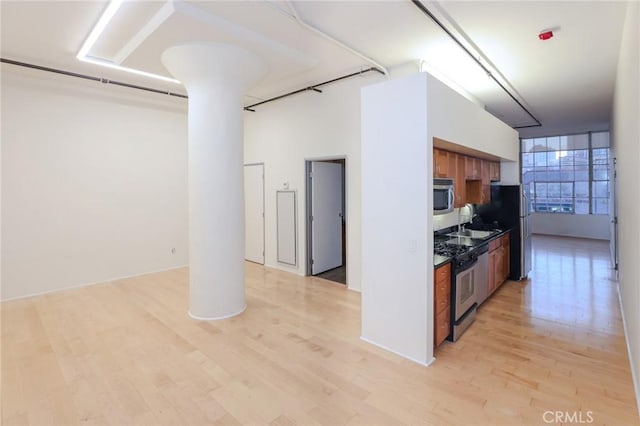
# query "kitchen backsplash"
(451, 219)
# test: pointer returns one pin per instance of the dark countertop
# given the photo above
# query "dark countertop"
(439, 261)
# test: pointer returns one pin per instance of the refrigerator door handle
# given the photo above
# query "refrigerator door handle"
(524, 203)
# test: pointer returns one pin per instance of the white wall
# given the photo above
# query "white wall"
(458, 120)
(397, 237)
(625, 142)
(94, 182)
(283, 134)
(571, 225)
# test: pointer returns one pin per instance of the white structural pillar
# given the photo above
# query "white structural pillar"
(216, 77)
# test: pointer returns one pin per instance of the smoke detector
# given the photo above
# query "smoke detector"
(545, 35)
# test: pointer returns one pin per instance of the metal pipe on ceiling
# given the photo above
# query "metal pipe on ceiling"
(89, 77)
(426, 11)
(313, 88)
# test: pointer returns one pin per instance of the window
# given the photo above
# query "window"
(567, 174)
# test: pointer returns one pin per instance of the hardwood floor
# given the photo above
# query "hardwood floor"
(126, 352)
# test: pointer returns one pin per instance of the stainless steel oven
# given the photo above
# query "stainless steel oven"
(466, 280)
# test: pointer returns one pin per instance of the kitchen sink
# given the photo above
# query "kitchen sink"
(473, 234)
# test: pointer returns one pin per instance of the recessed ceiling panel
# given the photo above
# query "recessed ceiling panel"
(123, 26)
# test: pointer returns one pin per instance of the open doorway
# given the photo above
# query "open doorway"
(254, 212)
(326, 225)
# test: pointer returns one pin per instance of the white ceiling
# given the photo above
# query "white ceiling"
(566, 82)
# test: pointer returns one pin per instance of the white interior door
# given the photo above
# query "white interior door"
(326, 212)
(254, 212)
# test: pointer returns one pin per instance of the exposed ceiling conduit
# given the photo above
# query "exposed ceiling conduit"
(313, 88)
(90, 77)
(426, 11)
(333, 40)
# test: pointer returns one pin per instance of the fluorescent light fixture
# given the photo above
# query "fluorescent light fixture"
(108, 14)
(83, 54)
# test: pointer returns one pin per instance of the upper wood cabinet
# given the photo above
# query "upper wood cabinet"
(472, 176)
(441, 163)
(472, 168)
(486, 181)
(494, 175)
(459, 182)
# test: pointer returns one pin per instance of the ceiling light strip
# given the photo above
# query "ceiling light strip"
(96, 32)
(426, 11)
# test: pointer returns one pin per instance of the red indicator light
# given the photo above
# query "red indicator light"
(545, 35)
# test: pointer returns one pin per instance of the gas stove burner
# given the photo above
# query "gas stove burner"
(449, 250)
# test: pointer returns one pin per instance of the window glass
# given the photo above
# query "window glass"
(600, 189)
(527, 159)
(600, 206)
(527, 145)
(582, 206)
(568, 173)
(600, 140)
(582, 191)
(578, 141)
(539, 144)
(553, 143)
(600, 173)
(553, 190)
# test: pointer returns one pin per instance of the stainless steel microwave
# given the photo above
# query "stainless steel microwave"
(442, 196)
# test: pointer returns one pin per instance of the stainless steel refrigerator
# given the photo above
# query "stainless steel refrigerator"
(510, 208)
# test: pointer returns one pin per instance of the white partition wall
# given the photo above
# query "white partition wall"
(625, 135)
(397, 247)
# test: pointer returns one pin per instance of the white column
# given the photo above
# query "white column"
(216, 77)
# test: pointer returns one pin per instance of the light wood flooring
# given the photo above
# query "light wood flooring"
(126, 352)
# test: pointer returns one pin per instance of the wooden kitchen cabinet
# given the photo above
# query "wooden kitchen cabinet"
(473, 191)
(494, 175)
(485, 196)
(506, 257)
(498, 262)
(441, 163)
(472, 168)
(472, 176)
(459, 182)
(441, 303)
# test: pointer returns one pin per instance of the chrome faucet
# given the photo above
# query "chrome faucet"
(461, 226)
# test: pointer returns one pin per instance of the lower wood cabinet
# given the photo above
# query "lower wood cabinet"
(441, 303)
(499, 264)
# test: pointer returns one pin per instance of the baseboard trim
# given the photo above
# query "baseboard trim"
(426, 364)
(634, 376)
(75, 287)
(195, 317)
